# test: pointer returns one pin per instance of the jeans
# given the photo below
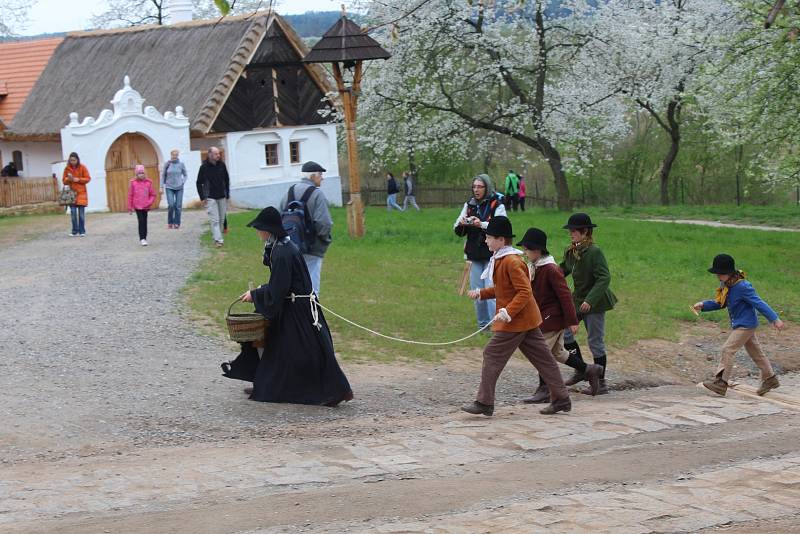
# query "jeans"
(412, 199)
(391, 202)
(77, 213)
(217, 209)
(141, 216)
(314, 264)
(595, 324)
(174, 201)
(484, 309)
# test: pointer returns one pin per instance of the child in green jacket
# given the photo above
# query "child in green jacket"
(591, 294)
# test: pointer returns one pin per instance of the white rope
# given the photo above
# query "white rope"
(400, 339)
(312, 297)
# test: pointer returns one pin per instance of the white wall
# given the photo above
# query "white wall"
(37, 157)
(255, 184)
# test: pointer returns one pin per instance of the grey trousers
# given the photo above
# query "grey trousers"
(532, 344)
(216, 209)
(595, 324)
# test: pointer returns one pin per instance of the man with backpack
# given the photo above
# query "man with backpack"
(307, 220)
(512, 190)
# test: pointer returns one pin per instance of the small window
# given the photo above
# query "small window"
(271, 152)
(294, 151)
(17, 156)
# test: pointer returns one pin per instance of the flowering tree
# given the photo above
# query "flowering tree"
(138, 12)
(752, 97)
(652, 53)
(461, 70)
(13, 16)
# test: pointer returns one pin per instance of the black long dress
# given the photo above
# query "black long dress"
(298, 365)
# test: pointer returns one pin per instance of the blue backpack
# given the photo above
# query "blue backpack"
(297, 220)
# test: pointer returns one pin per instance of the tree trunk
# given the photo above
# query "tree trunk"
(412, 162)
(559, 176)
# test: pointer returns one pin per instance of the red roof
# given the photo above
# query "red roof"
(22, 63)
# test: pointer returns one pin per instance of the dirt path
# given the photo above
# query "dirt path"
(718, 224)
(115, 419)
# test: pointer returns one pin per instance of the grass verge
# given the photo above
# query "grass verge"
(402, 278)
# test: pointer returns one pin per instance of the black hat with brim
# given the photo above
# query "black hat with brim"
(499, 227)
(269, 220)
(723, 264)
(534, 239)
(579, 220)
(312, 166)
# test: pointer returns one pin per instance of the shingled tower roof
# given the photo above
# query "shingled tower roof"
(345, 41)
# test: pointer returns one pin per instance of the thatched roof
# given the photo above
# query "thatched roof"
(345, 41)
(194, 65)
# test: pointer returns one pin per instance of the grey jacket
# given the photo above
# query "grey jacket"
(320, 214)
(174, 174)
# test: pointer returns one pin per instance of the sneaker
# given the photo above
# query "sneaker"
(144, 242)
(718, 385)
(82, 235)
(219, 244)
(768, 384)
(170, 226)
(176, 226)
(72, 235)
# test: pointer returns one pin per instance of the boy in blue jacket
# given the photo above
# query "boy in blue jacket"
(742, 301)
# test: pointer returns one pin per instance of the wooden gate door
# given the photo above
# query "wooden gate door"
(128, 151)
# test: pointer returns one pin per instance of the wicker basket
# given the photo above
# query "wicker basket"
(245, 326)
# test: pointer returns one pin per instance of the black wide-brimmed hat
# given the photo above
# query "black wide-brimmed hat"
(534, 239)
(579, 220)
(723, 264)
(269, 220)
(499, 227)
(312, 166)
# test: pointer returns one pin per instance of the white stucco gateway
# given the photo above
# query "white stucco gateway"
(262, 163)
(92, 138)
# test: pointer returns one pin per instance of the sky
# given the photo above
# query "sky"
(49, 16)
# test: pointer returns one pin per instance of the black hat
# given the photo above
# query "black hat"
(723, 264)
(312, 166)
(534, 239)
(499, 227)
(579, 220)
(269, 220)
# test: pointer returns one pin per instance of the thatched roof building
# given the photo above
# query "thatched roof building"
(235, 74)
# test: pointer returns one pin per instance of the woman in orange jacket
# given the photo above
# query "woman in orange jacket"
(76, 176)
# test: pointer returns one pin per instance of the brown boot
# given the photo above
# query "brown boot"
(594, 374)
(541, 395)
(558, 405)
(768, 384)
(602, 388)
(478, 408)
(718, 385)
(576, 377)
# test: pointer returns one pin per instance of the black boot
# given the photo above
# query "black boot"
(575, 361)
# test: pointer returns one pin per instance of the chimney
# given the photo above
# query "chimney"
(179, 11)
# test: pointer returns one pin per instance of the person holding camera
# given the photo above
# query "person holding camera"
(484, 204)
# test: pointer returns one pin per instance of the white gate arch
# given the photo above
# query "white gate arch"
(92, 138)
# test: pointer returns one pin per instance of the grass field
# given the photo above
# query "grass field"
(402, 278)
(787, 216)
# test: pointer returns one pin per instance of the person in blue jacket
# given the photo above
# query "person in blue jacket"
(740, 298)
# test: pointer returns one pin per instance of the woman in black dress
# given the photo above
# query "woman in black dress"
(298, 364)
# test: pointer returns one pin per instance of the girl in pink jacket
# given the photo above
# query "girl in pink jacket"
(141, 196)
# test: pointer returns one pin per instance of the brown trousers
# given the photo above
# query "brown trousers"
(743, 337)
(531, 343)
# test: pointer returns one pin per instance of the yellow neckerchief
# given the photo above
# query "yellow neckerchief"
(722, 291)
(576, 249)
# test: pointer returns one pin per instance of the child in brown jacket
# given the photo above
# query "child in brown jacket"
(552, 295)
(516, 324)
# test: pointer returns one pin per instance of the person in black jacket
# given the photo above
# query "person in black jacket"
(391, 193)
(10, 170)
(213, 187)
(484, 204)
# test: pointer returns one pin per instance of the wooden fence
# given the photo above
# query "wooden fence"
(438, 196)
(26, 191)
